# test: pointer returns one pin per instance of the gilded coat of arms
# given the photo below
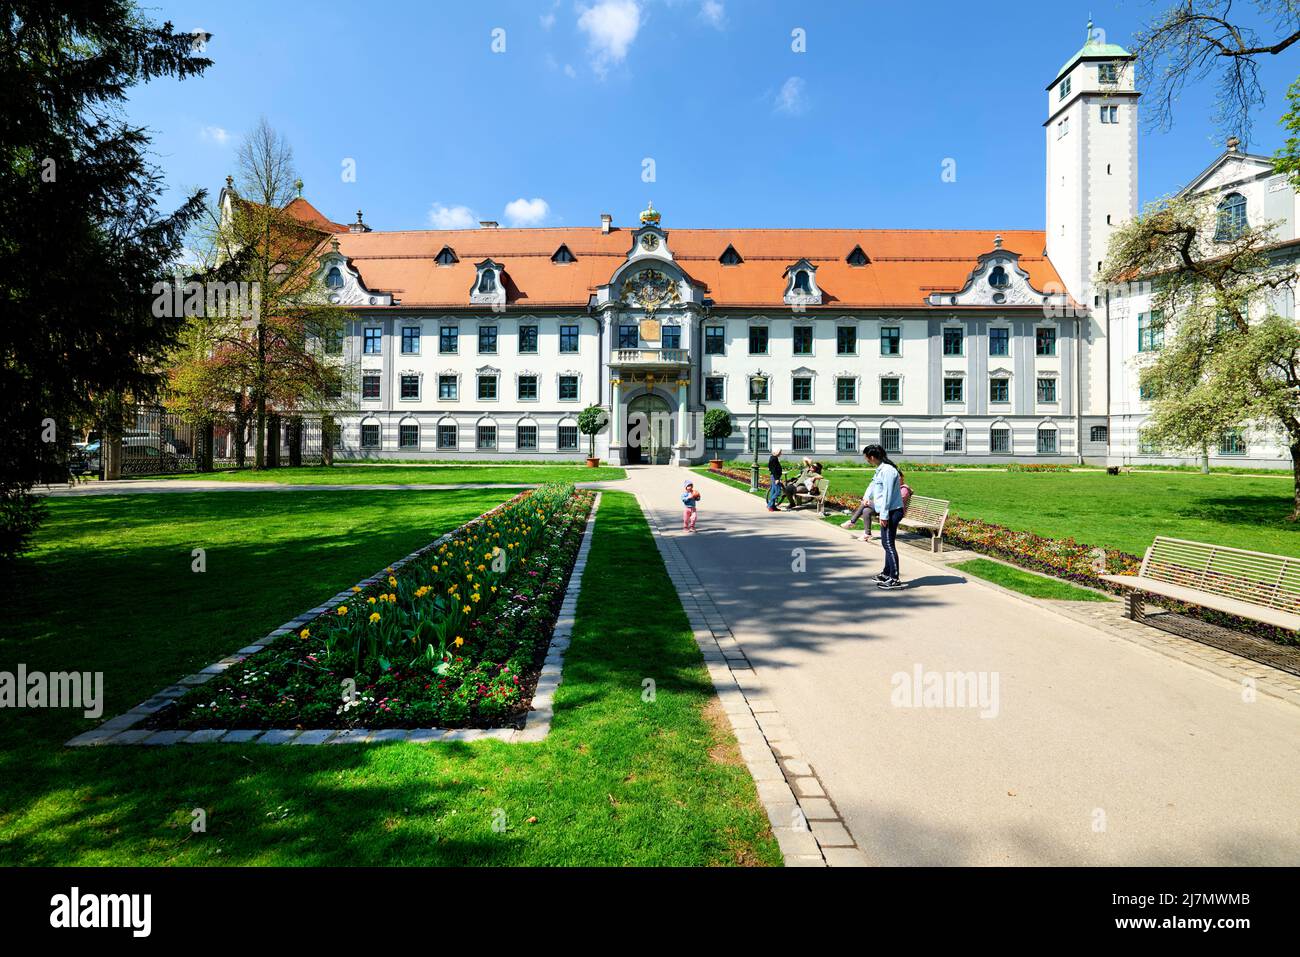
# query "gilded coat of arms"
(651, 289)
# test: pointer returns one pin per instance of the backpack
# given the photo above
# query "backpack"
(905, 490)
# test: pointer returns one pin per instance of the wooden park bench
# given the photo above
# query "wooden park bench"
(1254, 585)
(930, 515)
(823, 488)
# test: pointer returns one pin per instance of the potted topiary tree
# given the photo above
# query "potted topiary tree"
(591, 420)
(717, 425)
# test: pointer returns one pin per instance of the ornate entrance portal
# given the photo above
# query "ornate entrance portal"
(649, 430)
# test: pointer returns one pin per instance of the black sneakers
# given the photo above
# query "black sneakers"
(883, 582)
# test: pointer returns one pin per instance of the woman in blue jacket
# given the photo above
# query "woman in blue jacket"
(886, 497)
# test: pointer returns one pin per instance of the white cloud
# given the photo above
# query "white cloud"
(713, 13)
(548, 18)
(610, 26)
(451, 217)
(570, 72)
(527, 212)
(792, 99)
(215, 134)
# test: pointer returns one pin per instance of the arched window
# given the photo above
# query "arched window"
(998, 278)
(1232, 217)
(488, 282)
(334, 278)
(801, 281)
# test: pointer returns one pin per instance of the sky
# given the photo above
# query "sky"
(724, 113)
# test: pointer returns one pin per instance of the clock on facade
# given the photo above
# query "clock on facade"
(650, 242)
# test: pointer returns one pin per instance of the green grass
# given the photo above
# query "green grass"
(1027, 583)
(409, 475)
(1114, 511)
(109, 588)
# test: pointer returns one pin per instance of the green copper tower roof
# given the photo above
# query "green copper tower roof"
(1091, 48)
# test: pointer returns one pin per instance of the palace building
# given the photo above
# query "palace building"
(970, 345)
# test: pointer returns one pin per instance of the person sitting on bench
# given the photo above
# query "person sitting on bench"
(805, 484)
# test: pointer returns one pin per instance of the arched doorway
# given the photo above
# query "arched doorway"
(649, 430)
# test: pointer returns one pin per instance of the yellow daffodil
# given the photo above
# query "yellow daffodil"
(467, 609)
(392, 582)
(371, 599)
(343, 609)
(459, 641)
(356, 588)
(374, 617)
(305, 633)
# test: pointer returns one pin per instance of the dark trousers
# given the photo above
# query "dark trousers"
(888, 536)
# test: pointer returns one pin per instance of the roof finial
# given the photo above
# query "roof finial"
(230, 182)
(1233, 143)
(1088, 39)
(997, 241)
(297, 184)
(650, 215)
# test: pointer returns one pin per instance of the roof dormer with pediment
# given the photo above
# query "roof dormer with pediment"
(342, 282)
(998, 281)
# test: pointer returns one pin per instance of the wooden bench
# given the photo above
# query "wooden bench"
(1254, 585)
(823, 487)
(928, 514)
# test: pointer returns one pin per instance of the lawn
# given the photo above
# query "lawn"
(1114, 511)
(409, 475)
(109, 588)
(1027, 583)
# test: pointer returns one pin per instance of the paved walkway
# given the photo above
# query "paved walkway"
(1101, 751)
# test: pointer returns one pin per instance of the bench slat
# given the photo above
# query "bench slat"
(1193, 596)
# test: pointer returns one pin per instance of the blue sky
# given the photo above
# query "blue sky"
(743, 131)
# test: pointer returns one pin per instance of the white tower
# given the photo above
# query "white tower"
(1092, 113)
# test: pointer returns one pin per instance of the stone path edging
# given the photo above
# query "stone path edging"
(537, 723)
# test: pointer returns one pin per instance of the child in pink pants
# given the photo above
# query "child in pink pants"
(689, 498)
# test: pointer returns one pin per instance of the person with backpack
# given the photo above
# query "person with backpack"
(886, 498)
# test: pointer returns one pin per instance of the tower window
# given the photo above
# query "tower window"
(446, 257)
(1064, 88)
(857, 257)
(1107, 73)
(1110, 114)
(730, 257)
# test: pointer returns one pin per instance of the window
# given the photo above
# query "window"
(487, 282)
(714, 445)
(333, 342)
(408, 436)
(758, 340)
(447, 436)
(801, 282)
(446, 257)
(803, 438)
(370, 435)
(628, 337)
(954, 390)
(334, 387)
(1110, 114)
(1000, 390)
(1232, 442)
(487, 387)
(803, 340)
(1151, 333)
(846, 341)
(449, 339)
(890, 390)
(567, 438)
(998, 278)
(410, 340)
(528, 339)
(857, 257)
(568, 388)
(1107, 73)
(410, 387)
(527, 388)
(562, 255)
(672, 337)
(1064, 89)
(1045, 342)
(757, 389)
(730, 257)
(1000, 440)
(891, 437)
(370, 385)
(447, 387)
(374, 339)
(954, 438)
(891, 343)
(846, 389)
(714, 388)
(1099, 433)
(846, 439)
(487, 340)
(486, 437)
(1047, 390)
(526, 438)
(715, 341)
(1232, 217)
(999, 342)
(762, 439)
(801, 388)
(953, 341)
(1146, 392)
(334, 278)
(568, 338)
(1047, 441)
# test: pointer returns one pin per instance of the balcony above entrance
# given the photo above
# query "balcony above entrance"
(650, 358)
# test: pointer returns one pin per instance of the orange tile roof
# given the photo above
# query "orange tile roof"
(905, 264)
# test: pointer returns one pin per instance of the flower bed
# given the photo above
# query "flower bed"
(455, 638)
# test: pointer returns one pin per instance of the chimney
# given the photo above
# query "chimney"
(1233, 143)
(488, 223)
(605, 220)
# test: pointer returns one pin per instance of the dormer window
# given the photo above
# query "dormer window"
(334, 278)
(857, 257)
(801, 282)
(998, 278)
(562, 255)
(489, 284)
(801, 285)
(730, 257)
(447, 257)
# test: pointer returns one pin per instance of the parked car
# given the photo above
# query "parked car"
(85, 458)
